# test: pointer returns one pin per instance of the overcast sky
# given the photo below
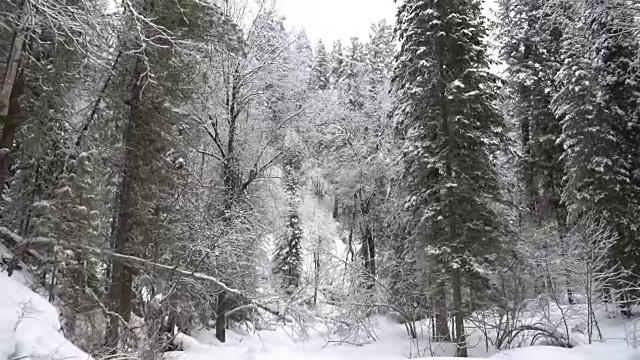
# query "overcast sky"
(330, 20)
(336, 19)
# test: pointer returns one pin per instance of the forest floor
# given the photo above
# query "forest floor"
(30, 328)
(392, 344)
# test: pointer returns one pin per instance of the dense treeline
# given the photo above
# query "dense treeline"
(169, 165)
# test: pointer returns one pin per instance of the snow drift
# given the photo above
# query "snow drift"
(29, 326)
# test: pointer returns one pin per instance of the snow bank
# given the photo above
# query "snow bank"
(29, 326)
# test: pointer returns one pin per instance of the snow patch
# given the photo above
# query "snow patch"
(29, 326)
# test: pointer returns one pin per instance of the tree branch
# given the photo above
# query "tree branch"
(9, 236)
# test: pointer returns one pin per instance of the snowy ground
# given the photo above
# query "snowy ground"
(29, 325)
(30, 328)
(393, 344)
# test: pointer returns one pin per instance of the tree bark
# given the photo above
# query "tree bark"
(371, 256)
(316, 264)
(11, 74)
(10, 124)
(461, 342)
(221, 318)
(232, 183)
(441, 323)
(121, 290)
(368, 253)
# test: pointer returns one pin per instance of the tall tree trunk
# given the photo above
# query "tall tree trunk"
(461, 342)
(121, 290)
(232, 184)
(11, 74)
(10, 124)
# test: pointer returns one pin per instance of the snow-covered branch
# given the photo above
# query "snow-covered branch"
(17, 240)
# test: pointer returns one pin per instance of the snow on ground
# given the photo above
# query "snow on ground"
(29, 328)
(599, 351)
(393, 344)
(29, 325)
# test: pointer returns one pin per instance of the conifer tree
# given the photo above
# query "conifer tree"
(531, 32)
(147, 93)
(288, 256)
(598, 104)
(321, 68)
(337, 64)
(355, 67)
(380, 51)
(453, 129)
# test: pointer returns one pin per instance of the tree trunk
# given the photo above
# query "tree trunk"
(232, 183)
(10, 123)
(371, 257)
(440, 305)
(221, 318)
(121, 290)
(11, 74)
(316, 264)
(350, 250)
(368, 252)
(461, 342)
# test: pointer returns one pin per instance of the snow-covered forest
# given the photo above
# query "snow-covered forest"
(186, 179)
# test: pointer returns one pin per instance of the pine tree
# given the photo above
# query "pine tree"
(531, 32)
(30, 35)
(303, 61)
(355, 67)
(321, 68)
(337, 64)
(146, 95)
(380, 51)
(453, 128)
(73, 216)
(288, 256)
(598, 104)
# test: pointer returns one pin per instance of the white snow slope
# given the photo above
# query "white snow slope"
(29, 326)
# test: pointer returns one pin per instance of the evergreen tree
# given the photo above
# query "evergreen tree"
(380, 51)
(598, 104)
(146, 95)
(530, 32)
(288, 256)
(355, 67)
(453, 129)
(337, 64)
(321, 68)
(303, 60)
